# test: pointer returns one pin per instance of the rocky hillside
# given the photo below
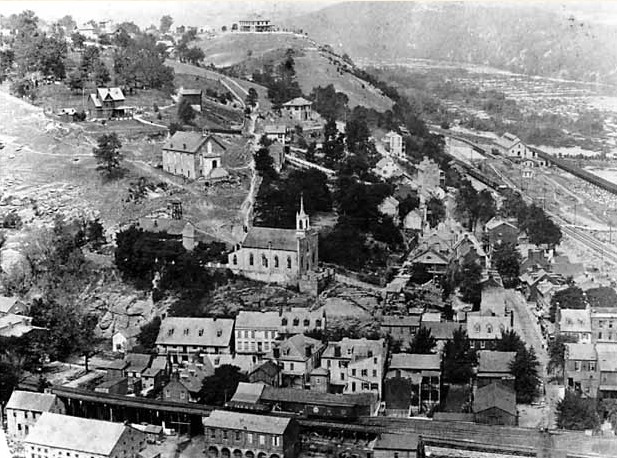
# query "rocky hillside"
(314, 65)
(524, 38)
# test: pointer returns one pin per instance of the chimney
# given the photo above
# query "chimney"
(308, 351)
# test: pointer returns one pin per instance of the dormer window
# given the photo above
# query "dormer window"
(476, 328)
(489, 329)
(349, 350)
(307, 322)
(186, 332)
(201, 332)
(370, 353)
(296, 321)
(284, 322)
(219, 333)
(170, 332)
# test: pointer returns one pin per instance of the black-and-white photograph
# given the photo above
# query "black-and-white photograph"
(308, 229)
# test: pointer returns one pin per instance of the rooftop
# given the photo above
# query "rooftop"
(574, 320)
(294, 395)
(495, 395)
(211, 332)
(581, 352)
(607, 356)
(415, 361)
(26, 400)
(248, 392)
(193, 142)
(82, 435)
(274, 320)
(110, 93)
(6, 303)
(391, 441)
(494, 362)
(444, 330)
(297, 102)
(355, 349)
(295, 347)
(274, 238)
(396, 321)
(246, 422)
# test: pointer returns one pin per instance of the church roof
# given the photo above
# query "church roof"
(268, 237)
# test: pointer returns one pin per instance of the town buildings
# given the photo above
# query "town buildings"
(276, 255)
(484, 330)
(500, 232)
(510, 145)
(192, 96)
(398, 327)
(395, 144)
(13, 325)
(603, 324)
(297, 356)
(56, 436)
(386, 168)
(256, 332)
(108, 103)
(494, 366)
(355, 365)
(575, 323)
(24, 409)
(192, 155)
(255, 24)
(124, 340)
(430, 176)
(242, 434)
(607, 364)
(182, 338)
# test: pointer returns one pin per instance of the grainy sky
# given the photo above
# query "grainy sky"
(215, 13)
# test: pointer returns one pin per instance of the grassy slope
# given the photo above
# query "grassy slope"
(313, 67)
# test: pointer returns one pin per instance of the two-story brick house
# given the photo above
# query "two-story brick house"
(244, 435)
(25, 408)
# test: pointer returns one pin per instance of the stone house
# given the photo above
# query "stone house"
(395, 144)
(298, 109)
(192, 154)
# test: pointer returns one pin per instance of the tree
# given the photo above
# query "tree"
(577, 413)
(148, 333)
(78, 40)
(510, 341)
(251, 98)
(186, 114)
(557, 352)
(468, 278)
(166, 22)
(572, 297)
(218, 388)
(474, 206)
(423, 342)
(525, 371)
(458, 358)
(507, 260)
(264, 164)
(76, 80)
(602, 296)
(409, 203)
(108, 154)
(435, 211)
(194, 55)
(539, 227)
(9, 379)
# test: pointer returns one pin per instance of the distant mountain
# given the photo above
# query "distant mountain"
(525, 38)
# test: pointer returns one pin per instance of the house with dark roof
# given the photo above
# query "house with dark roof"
(275, 255)
(501, 231)
(24, 408)
(494, 366)
(57, 435)
(443, 331)
(185, 384)
(299, 109)
(297, 357)
(192, 96)
(268, 373)
(485, 330)
(182, 338)
(412, 383)
(430, 259)
(495, 404)
(398, 327)
(192, 154)
(108, 103)
(257, 435)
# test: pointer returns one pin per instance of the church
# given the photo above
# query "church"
(277, 255)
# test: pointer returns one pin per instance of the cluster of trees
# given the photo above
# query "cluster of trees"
(191, 54)
(577, 413)
(459, 358)
(472, 206)
(159, 261)
(507, 260)
(572, 297)
(524, 368)
(281, 82)
(540, 228)
(91, 69)
(465, 276)
(328, 102)
(557, 352)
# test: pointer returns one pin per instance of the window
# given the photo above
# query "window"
(201, 332)
(224, 435)
(364, 372)
(318, 323)
(374, 386)
(329, 364)
(212, 433)
(374, 373)
(592, 365)
(307, 322)
(262, 439)
(291, 366)
(264, 260)
(370, 353)
(476, 327)
(235, 260)
(289, 262)
(375, 360)
(353, 372)
(276, 441)
(296, 322)
(489, 329)
(252, 334)
(284, 322)
(238, 435)
(249, 438)
(577, 366)
(482, 344)
(276, 262)
(353, 386)
(251, 259)
(342, 375)
(182, 395)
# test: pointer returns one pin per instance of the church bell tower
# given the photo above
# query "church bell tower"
(302, 219)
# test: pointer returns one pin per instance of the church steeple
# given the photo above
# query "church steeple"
(302, 219)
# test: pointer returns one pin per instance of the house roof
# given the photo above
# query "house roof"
(193, 142)
(110, 93)
(14, 325)
(94, 437)
(187, 91)
(297, 102)
(400, 321)
(493, 301)
(392, 441)
(248, 393)
(384, 162)
(138, 362)
(494, 362)
(6, 303)
(320, 371)
(607, 356)
(294, 347)
(248, 319)
(210, 332)
(473, 241)
(508, 140)
(271, 394)
(428, 256)
(26, 400)
(415, 361)
(495, 395)
(275, 129)
(495, 222)
(247, 422)
(266, 237)
(355, 349)
(192, 377)
(443, 330)
(581, 352)
(574, 320)
(486, 327)
(270, 368)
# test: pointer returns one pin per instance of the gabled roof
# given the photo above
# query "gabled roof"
(581, 352)
(486, 327)
(429, 256)
(275, 129)
(383, 162)
(607, 356)
(247, 422)
(138, 362)
(471, 240)
(495, 395)
(35, 402)
(183, 91)
(7, 303)
(210, 332)
(274, 395)
(193, 142)
(494, 362)
(404, 321)
(574, 320)
(355, 349)
(110, 93)
(269, 368)
(413, 361)
(495, 222)
(82, 435)
(269, 237)
(444, 329)
(297, 102)
(248, 392)
(295, 347)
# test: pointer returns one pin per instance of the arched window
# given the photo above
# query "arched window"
(489, 329)
(251, 259)
(264, 260)
(235, 260)
(289, 262)
(276, 261)
(476, 328)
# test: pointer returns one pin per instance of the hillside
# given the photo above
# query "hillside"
(523, 38)
(314, 66)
